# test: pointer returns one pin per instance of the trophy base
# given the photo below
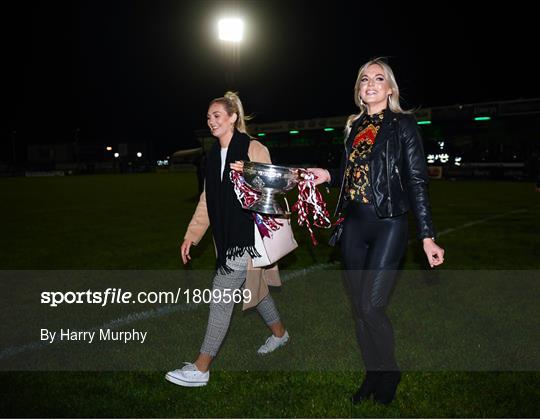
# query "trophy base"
(267, 204)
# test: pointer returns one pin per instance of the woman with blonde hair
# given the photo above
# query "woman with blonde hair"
(383, 174)
(233, 232)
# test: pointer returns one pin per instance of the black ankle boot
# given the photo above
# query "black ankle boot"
(367, 388)
(386, 386)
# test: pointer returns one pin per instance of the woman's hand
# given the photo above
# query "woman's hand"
(321, 175)
(238, 166)
(184, 250)
(434, 253)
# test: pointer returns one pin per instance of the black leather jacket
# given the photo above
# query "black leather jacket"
(398, 172)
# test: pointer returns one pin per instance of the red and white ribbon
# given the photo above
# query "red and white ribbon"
(311, 204)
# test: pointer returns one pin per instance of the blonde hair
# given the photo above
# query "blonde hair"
(232, 104)
(393, 99)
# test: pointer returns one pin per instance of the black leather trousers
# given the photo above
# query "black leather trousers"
(372, 249)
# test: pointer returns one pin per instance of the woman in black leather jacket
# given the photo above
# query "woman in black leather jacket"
(383, 173)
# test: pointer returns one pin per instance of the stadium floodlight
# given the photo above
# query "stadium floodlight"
(117, 155)
(231, 29)
(139, 154)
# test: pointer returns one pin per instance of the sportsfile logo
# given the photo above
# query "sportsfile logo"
(109, 296)
(118, 296)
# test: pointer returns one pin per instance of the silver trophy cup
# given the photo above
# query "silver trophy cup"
(269, 180)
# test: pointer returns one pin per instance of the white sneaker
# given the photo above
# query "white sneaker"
(273, 343)
(189, 375)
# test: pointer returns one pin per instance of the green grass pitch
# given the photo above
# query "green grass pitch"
(136, 222)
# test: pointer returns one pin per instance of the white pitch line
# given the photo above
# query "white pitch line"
(475, 222)
(169, 309)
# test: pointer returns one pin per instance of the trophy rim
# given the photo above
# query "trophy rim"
(268, 166)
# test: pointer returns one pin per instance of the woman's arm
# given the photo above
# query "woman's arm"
(417, 182)
(257, 152)
(196, 229)
(417, 176)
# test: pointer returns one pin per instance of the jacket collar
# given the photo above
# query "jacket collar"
(387, 128)
(384, 132)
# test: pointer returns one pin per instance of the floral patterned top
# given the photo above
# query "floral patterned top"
(357, 186)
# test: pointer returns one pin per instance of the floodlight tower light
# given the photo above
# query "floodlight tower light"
(231, 29)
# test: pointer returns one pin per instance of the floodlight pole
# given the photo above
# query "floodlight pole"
(231, 33)
(232, 58)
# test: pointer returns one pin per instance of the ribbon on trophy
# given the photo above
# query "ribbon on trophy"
(247, 196)
(310, 204)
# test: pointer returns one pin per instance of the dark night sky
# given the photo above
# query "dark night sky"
(123, 69)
